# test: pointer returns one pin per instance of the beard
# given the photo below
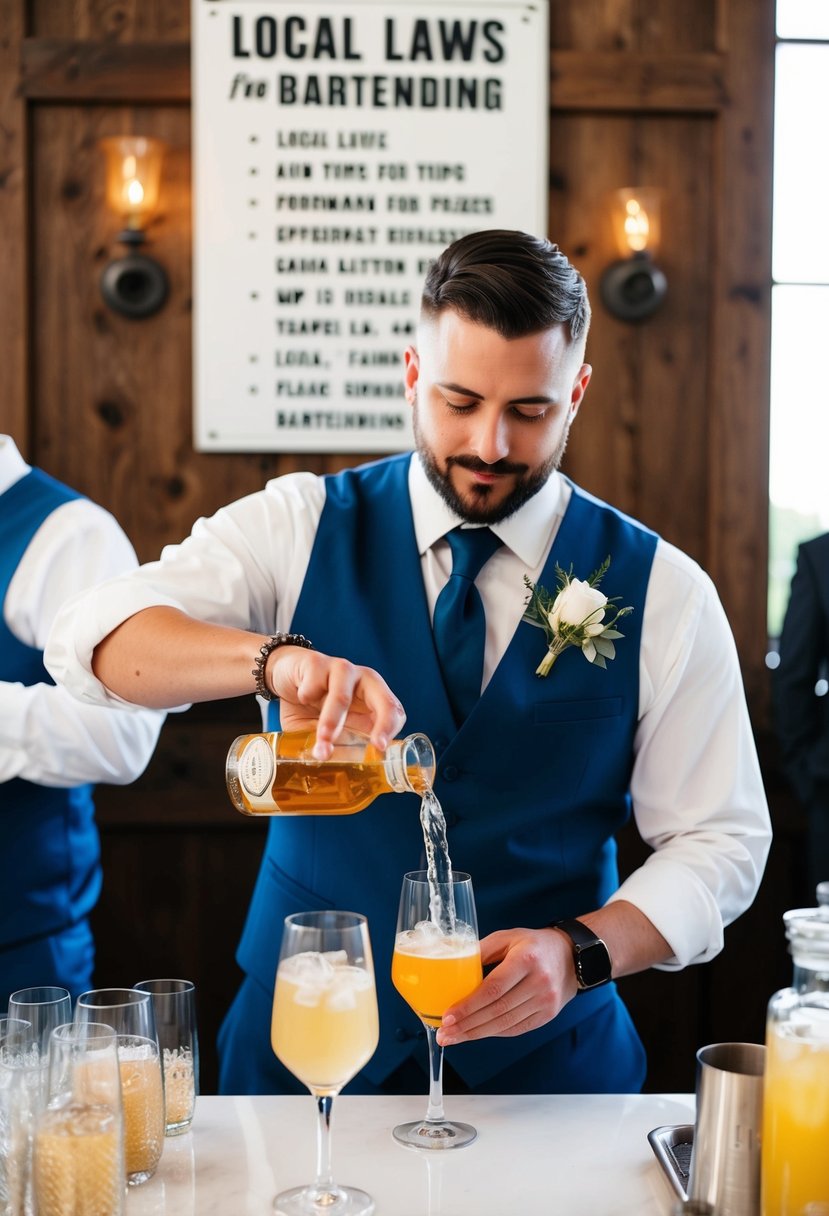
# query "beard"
(479, 509)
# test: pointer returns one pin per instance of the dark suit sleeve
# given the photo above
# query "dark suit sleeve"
(801, 716)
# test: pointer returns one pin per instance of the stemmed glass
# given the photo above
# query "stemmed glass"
(436, 962)
(324, 1029)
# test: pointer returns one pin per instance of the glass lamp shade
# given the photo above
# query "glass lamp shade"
(635, 215)
(133, 174)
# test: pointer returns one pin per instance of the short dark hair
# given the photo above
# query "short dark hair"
(512, 282)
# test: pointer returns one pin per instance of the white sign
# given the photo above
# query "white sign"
(338, 148)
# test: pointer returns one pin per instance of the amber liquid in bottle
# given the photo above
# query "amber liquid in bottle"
(274, 773)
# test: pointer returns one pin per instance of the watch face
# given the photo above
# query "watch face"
(593, 965)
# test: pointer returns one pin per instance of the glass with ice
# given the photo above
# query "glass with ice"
(436, 962)
(324, 1029)
(794, 1160)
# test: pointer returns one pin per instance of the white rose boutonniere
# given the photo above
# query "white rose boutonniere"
(578, 615)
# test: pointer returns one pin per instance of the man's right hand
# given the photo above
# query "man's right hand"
(318, 692)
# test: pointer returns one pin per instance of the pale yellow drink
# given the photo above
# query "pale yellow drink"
(325, 1025)
(143, 1096)
(179, 1087)
(432, 970)
(78, 1165)
(795, 1154)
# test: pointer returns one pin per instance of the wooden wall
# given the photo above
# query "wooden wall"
(671, 92)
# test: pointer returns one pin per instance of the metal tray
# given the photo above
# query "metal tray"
(672, 1146)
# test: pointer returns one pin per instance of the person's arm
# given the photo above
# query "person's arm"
(803, 645)
(535, 976)
(189, 626)
(162, 657)
(698, 801)
(46, 736)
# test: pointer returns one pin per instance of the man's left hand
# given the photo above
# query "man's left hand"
(533, 980)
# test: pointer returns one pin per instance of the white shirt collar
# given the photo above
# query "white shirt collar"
(12, 464)
(527, 532)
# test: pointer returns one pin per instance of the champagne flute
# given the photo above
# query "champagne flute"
(324, 1029)
(436, 962)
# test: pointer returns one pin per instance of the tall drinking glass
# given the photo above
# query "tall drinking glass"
(126, 1010)
(45, 1007)
(174, 1002)
(433, 967)
(794, 1163)
(79, 1142)
(132, 1017)
(19, 1104)
(324, 1029)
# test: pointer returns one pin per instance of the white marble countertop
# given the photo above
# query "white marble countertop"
(586, 1155)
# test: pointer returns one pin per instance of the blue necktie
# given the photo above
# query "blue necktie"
(459, 623)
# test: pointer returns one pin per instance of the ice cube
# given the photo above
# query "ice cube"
(337, 958)
(309, 968)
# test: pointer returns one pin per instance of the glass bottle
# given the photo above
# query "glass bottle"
(275, 773)
(807, 930)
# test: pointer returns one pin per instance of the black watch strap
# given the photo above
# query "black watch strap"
(591, 956)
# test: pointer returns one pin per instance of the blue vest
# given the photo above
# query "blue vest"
(534, 784)
(49, 851)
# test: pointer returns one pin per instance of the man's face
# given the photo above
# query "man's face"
(491, 414)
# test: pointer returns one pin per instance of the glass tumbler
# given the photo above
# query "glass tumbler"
(795, 1162)
(78, 1164)
(174, 1002)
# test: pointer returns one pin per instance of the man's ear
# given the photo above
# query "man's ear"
(579, 388)
(412, 362)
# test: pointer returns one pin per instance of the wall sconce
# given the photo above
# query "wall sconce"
(634, 287)
(134, 285)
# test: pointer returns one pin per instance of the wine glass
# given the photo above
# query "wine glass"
(324, 1029)
(436, 962)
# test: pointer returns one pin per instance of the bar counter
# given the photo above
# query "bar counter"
(586, 1155)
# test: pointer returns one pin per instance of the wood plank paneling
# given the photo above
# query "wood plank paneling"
(641, 439)
(105, 72)
(661, 26)
(592, 81)
(111, 20)
(14, 231)
(740, 337)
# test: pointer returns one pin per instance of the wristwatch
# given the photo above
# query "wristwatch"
(590, 954)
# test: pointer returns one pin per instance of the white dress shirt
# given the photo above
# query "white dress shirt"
(46, 736)
(696, 789)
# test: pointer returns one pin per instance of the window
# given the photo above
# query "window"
(799, 438)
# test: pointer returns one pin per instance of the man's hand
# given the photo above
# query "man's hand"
(532, 982)
(317, 692)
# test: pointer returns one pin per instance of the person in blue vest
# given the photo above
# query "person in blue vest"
(536, 773)
(53, 544)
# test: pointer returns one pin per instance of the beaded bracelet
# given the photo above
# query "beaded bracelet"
(258, 669)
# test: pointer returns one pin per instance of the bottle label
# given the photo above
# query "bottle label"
(256, 768)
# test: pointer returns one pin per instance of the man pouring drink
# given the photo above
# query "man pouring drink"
(416, 568)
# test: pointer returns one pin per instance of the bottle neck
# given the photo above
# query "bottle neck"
(410, 764)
